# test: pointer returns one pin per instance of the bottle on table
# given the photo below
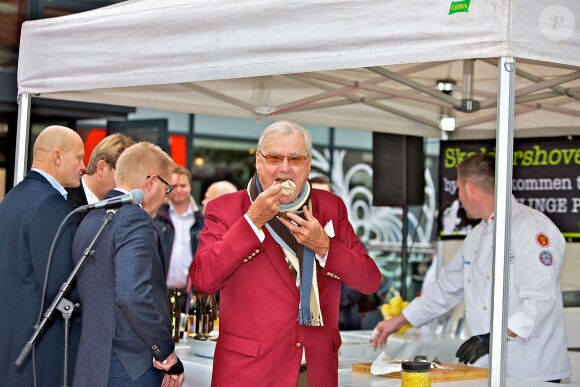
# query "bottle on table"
(193, 316)
(175, 311)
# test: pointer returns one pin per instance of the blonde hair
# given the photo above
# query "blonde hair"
(140, 160)
(109, 149)
(178, 169)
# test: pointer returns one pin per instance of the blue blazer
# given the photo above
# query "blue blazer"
(29, 217)
(124, 296)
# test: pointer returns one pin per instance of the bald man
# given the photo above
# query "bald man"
(30, 215)
(216, 189)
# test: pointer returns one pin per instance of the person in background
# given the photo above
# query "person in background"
(122, 287)
(216, 189)
(179, 223)
(30, 216)
(100, 174)
(321, 182)
(536, 347)
(354, 305)
(278, 253)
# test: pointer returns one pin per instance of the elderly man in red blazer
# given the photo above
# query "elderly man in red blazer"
(278, 252)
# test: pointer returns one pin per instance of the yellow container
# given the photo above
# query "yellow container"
(416, 374)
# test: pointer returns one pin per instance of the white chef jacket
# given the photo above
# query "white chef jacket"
(535, 311)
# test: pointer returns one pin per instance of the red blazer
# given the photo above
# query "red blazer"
(260, 341)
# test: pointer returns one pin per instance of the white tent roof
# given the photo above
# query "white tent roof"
(363, 64)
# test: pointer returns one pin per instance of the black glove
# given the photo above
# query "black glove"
(176, 369)
(473, 349)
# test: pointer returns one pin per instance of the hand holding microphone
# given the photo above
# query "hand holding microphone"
(135, 197)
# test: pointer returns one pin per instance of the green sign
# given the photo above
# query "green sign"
(459, 6)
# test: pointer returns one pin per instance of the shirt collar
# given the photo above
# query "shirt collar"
(189, 211)
(52, 182)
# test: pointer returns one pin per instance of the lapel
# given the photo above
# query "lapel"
(160, 251)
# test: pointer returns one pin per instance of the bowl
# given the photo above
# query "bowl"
(203, 348)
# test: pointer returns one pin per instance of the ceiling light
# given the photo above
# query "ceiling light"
(447, 124)
(446, 85)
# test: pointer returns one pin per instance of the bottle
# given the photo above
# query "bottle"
(216, 315)
(212, 312)
(175, 310)
(207, 319)
(193, 316)
(415, 374)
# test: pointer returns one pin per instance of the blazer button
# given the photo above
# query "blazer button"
(298, 344)
(257, 251)
(245, 260)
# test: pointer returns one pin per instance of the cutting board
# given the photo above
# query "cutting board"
(458, 372)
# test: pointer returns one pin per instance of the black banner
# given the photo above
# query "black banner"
(546, 176)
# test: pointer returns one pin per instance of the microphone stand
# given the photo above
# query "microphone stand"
(63, 305)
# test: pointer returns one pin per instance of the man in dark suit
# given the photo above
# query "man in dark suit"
(100, 174)
(179, 223)
(126, 320)
(278, 255)
(29, 217)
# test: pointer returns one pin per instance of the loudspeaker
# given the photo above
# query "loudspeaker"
(398, 170)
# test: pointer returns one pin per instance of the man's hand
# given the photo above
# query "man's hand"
(386, 327)
(266, 206)
(173, 380)
(308, 232)
(173, 369)
(473, 349)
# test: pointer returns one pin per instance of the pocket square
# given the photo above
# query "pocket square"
(329, 229)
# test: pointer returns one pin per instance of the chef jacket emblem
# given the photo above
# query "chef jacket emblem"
(546, 258)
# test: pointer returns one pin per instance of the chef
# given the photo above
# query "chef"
(536, 347)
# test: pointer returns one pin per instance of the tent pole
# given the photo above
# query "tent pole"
(503, 193)
(22, 134)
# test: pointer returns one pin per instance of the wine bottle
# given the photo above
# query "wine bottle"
(193, 316)
(216, 314)
(209, 311)
(175, 314)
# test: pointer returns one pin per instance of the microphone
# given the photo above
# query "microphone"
(136, 197)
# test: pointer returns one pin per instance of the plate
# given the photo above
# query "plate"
(203, 348)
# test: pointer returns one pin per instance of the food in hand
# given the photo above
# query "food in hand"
(288, 187)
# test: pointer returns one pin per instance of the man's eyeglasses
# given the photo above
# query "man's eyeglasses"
(169, 188)
(294, 160)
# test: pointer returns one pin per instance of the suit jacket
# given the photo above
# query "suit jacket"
(75, 199)
(123, 293)
(261, 342)
(29, 217)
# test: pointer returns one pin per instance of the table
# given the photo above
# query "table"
(356, 349)
(197, 369)
(347, 378)
(355, 344)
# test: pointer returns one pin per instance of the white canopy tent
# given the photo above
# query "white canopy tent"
(370, 65)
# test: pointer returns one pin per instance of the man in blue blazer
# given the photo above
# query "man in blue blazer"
(126, 320)
(29, 217)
